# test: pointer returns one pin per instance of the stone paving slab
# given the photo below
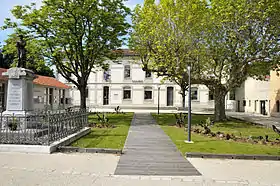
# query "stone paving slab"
(149, 151)
(22, 169)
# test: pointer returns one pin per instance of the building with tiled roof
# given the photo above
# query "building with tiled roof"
(48, 92)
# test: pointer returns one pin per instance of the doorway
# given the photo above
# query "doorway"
(170, 96)
(238, 106)
(263, 109)
(106, 95)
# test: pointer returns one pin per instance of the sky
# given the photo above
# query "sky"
(7, 5)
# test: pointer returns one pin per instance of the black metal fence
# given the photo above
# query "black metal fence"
(41, 127)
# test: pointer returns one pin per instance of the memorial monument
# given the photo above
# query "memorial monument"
(20, 85)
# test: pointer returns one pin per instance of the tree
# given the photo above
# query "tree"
(163, 36)
(35, 58)
(241, 39)
(78, 35)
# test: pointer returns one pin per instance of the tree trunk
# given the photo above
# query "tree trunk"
(219, 97)
(83, 96)
(183, 98)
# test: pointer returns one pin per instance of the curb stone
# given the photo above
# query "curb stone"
(68, 149)
(232, 156)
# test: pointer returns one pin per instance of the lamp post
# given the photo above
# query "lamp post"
(158, 99)
(189, 107)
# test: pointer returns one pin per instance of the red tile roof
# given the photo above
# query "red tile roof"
(40, 80)
(3, 78)
(125, 52)
(49, 81)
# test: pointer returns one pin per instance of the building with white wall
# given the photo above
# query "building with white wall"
(49, 93)
(253, 96)
(125, 84)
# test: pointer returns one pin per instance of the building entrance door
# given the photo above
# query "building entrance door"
(263, 110)
(238, 106)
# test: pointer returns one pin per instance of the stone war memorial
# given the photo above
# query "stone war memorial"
(21, 125)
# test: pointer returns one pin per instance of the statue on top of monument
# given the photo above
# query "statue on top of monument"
(21, 52)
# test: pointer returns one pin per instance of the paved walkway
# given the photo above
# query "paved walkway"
(256, 118)
(77, 169)
(149, 151)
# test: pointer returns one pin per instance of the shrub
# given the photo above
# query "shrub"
(180, 119)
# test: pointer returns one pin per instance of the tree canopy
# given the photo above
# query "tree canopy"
(225, 41)
(78, 35)
(163, 36)
(35, 58)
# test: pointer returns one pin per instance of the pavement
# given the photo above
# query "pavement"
(20, 169)
(23, 169)
(149, 151)
(256, 118)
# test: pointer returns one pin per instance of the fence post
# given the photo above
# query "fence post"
(1, 121)
(48, 122)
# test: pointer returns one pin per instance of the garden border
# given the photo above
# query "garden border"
(69, 149)
(232, 156)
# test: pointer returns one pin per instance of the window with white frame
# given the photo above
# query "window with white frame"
(126, 93)
(127, 71)
(148, 93)
(194, 93)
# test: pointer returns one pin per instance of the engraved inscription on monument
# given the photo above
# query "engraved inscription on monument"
(15, 97)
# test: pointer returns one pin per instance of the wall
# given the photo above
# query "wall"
(252, 92)
(41, 99)
(137, 82)
(274, 93)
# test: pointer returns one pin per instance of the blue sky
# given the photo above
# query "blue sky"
(7, 5)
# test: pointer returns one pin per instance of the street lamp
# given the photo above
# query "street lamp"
(189, 107)
(158, 99)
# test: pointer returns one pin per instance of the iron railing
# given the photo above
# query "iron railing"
(41, 127)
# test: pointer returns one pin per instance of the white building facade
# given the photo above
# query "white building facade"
(253, 97)
(125, 84)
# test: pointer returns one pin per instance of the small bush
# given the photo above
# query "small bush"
(13, 124)
(117, 110)
(180, 119)
(103, 120)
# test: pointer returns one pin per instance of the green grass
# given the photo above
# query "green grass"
(107, 137)
(214, 145)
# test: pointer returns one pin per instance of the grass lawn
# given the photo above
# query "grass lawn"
(107, 137)
(214, 145)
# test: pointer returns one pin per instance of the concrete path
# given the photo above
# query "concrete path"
(149, 151)
(256, 118)
(20, 169)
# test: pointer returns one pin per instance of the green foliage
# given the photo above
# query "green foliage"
(78, 36)
(5, 60)
(165, 36)
(107, 137)
(118, 109)
(213, 145)
(103, 120)
(13, 124)
(241, 39)
(35, 57)
(180, 119)
(225, 41)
